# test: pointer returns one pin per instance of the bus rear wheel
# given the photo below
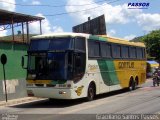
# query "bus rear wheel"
(132, 85)
(91, 92)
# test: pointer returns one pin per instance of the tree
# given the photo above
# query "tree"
(152, 42)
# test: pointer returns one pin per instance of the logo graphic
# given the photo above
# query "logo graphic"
(79, 90)
(138, 5)
(92, 68)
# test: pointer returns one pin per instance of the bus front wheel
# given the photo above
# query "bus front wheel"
(91, 92)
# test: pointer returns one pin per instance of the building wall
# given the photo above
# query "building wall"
(15, 74)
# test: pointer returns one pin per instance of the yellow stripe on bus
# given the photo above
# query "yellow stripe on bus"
(126, 69)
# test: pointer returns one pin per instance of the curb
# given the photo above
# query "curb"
(19, 101)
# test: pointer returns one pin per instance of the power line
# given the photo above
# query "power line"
(58, 14)
(31, 5)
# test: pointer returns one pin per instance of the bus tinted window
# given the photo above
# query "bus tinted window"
(60, 44)
(39, 44)
(125, 51)
(106, 50)
(116, 51)
(80, 44)
(139, 53)
(144, 53)
(132, 52)
(93, 49)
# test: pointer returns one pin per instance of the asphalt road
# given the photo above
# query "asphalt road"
(123, 104)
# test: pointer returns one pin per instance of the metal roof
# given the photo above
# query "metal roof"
(8, 17)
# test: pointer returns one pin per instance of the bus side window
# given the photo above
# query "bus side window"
(132, 52)
(125, 51)
(80, 44)
(139, 53)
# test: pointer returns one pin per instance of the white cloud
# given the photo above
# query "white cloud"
(149, 21)
(57, 29)
(119, 14)
(5, 5)
(113, 14)
(3, 33)
(129, 37)
(111, 32)
(80, 16)
(36, 2)
(46, 26)
(35, 26)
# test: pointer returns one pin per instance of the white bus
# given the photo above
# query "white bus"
(76, 65)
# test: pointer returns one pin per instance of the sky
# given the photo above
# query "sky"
(62, 15)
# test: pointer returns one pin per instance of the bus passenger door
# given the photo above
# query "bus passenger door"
(79, 66)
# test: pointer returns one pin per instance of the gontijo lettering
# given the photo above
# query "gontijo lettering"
(126, 64)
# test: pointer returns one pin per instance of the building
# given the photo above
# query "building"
(14, 47)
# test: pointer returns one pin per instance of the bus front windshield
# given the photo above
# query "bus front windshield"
(56, 59)
(47, 66)
(51, 44)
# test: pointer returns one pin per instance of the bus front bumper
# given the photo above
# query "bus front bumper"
(56, 93)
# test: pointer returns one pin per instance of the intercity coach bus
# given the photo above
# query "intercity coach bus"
(76, 65)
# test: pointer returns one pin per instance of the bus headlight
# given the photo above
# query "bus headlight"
(62, 92)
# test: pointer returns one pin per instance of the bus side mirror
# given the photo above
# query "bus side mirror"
(23, 63)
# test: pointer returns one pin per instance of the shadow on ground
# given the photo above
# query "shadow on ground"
(55, 103)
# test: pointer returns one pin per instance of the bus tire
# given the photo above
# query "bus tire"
(132, 85)
(91, 92)
(136, 83)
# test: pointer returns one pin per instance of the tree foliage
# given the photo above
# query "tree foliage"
(152, 42)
